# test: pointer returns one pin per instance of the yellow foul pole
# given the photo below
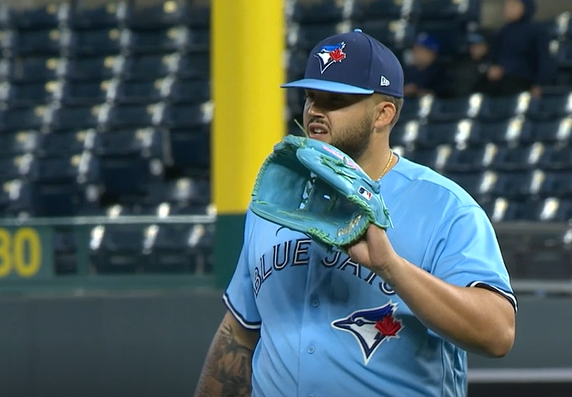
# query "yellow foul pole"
(247, 55)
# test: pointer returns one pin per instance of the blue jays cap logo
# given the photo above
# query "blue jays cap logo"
(330, 54)
(371, 327)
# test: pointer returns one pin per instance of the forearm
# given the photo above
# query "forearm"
(475, 319)
(228, 366)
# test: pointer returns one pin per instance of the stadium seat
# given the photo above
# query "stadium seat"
(557, 158)
(154, 41)
(145, 142)
(199, 14)
(514, 185)
(84, 14)
(148, 67)
(18, 143)
(304, 37)
(453, 109)
(86, 68)
(385, 9)
(190, 66)
(425, 135)
(503, 108)
(411, 110)
(317, 11)
(124, 177)
(167, 249)
(550, 107)
(72, 118)
(81, 93)
(555, 184)
(186, 91)
(29, 69)
(77, 169)
(179, 116)
(396, 34)
(132, 92)
(518, 158)
(18, 119)
(552, 131)
(14, 167)
(117, 116)
(501, 209)
(562, 52)
(511, 131)
(296, 64)
(31, 18)
(560, 26)
(180, 192)
(443, 10)
(161, 14)
(476, 183)
(27, 43)
(25, 94)
(64, 144)
(96, 42)
(190, 150)
(117, 248)
(470, 159)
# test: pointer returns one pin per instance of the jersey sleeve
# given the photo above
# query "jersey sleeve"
(239, 295)
(466, 253)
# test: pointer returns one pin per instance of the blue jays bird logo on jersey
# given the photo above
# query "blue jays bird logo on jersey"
(330, 54)
(371, 327)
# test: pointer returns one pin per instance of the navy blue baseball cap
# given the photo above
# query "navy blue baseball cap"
(352, 63)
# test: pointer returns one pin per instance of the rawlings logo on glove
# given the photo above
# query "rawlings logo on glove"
(340, 204)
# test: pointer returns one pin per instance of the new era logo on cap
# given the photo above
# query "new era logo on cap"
(352, 63)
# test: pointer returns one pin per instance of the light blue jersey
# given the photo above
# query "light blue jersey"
(331, 328)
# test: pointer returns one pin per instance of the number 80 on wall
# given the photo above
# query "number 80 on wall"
(20, 252)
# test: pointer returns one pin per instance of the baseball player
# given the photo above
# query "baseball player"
(395, 316)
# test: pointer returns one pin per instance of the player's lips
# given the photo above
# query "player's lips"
(317, 129)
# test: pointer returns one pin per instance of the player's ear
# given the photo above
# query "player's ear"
(385, 112)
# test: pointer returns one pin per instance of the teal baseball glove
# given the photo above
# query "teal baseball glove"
(312, 187)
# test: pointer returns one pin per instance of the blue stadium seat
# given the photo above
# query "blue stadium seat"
(385, 9)
(72, 118)
(476, 183)
(556, 184)
(96, 42)
(117, 248)
(396, 34)
(18, 143)
(86, 68)
(18, 119)
(305, 37)
(501, 209)
(179, 116)
(560, 26)
(434, 134)
(410, 110)
(134, 91)
(14, 167)
(181, 192)
(27, 43)
(465, 10)
(81, 93)
(317, 11)
(64, 144)
(86, 15)
(511, 131)
(124, 177)
(550, 107)
(190, 150)
(146, 142)
(197, 41)
(428, 157)
(148, 67)
(296, 64)
(125, 116)
(167, 249)
(141, 16)
(186, 91)
(196, 65)
(562, 52)
(199, 14)
(557, 158)
(553, 131)
(32, 17)
(470, 159)
(154, 41)
(29, 69)
(554, 210)
(25, 94)
(453, 109)
(514, 185)
(79, 168)
(518, 158)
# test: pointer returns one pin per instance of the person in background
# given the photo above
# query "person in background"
(425, 75)
(470, 72)
(519, 53)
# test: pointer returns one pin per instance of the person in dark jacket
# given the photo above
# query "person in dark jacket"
(426, 75)
(519, 53)
(469, 73)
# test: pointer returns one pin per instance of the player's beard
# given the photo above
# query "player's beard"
(354, 140)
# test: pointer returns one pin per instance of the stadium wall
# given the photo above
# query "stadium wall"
(151, 344)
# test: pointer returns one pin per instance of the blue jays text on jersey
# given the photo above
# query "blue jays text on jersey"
(330, 327)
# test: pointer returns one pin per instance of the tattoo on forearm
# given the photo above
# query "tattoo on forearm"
(227, 371)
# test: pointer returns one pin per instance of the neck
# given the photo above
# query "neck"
(375, 164)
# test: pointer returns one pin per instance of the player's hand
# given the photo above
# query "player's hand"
(495, 73)
(374, 251)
